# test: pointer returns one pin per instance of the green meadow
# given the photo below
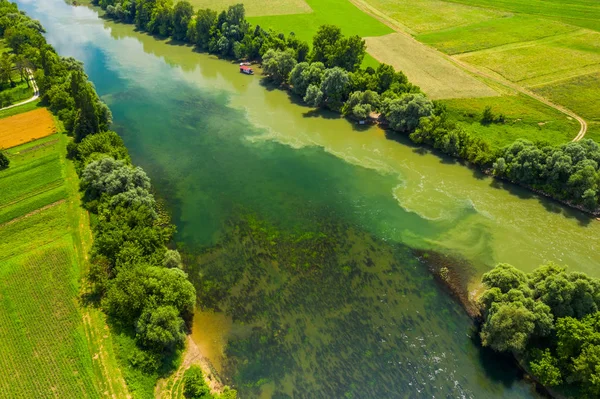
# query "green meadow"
(525, 118)
(342, 13)
(257, 7)
(493, 33)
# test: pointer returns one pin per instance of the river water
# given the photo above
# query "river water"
(307, 237)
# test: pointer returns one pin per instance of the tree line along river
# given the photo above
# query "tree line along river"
(307, 237)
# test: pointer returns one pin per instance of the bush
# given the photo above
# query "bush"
(194, 386)
(4, 161)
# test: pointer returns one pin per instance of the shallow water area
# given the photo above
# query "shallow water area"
(300, 228)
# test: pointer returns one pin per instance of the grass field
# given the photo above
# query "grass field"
(583, 13)
(50, 346)
(257, 7)
(581, 93)
(494, 33)
(541, 61)
(525, 118)
(342, 13)
(25, 127)
(432, 15)
(424, 67)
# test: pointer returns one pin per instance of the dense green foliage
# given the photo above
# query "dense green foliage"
(194, 386)
(568, 172)
(4, 161)
(550, 318)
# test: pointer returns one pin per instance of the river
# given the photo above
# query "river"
(307, 236)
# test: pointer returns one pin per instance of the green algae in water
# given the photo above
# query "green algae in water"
(334, 312)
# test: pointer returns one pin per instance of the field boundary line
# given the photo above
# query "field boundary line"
(19, 218)
(362, 5)
(524, 44)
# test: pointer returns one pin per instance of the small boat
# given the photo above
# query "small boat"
(246, 69)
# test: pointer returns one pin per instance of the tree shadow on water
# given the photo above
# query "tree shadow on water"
(499, 367)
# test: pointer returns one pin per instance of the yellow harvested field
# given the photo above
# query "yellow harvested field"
(427, 68)
(22, 128)
(257, 8)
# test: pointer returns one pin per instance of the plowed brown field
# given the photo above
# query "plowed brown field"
(22, 128)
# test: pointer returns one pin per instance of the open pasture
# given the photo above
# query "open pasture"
(24, 127)
(580, 93)
(583, 13)
(494, 33)
(525, 118)
(342, 13)
(432, 15)
(541, 61)
(426, 68)
(257, 7)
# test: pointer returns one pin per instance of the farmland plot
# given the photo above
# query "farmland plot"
(46, 349)
(22, 128)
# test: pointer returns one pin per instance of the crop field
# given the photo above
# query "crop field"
(525, 118)
(50, 347)
(583, 13)
(541, 61)
(24, 127)
(436, 76)
(34, 179)
(494, 33)
(581, 93)
(257, 7)
(342, 13)
(432, 15)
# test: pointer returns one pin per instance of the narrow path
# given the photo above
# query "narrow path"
(36, 93)
(398, 27)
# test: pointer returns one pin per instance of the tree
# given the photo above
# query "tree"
(544, 367)
(314, 96)
(205, 20)
(488, 116)
(505, 277)
(182, 15)
(87, 121)
(194, 386)
(141, 288)
(361, 104)
(334, 88)
(304, 75)
(111, 177)
(508, 328)
(6, 67)
(101, 145)
(405, 112)
(279, 64)
(325, 44)
(161, 328)
(349, 53)
(4, 161)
